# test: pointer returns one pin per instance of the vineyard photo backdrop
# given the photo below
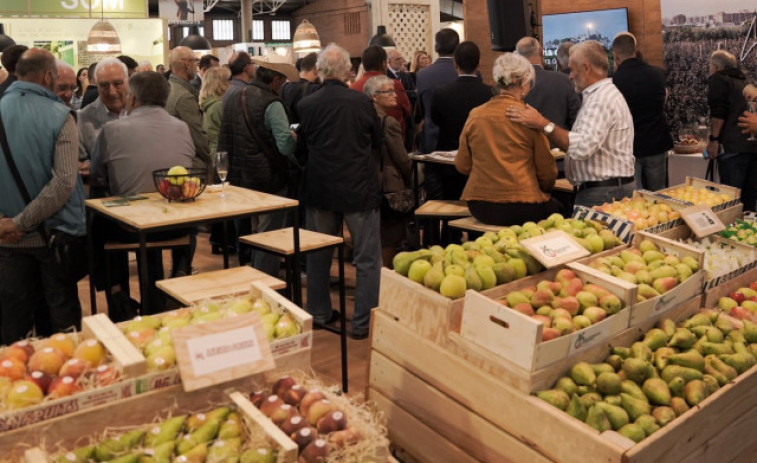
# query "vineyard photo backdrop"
(691, 31)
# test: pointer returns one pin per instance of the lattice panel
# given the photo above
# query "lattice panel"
(409, 26)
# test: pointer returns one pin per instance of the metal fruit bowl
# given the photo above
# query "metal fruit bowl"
(180, 187)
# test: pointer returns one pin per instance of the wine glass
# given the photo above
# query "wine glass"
(752, 108)
(222, 167)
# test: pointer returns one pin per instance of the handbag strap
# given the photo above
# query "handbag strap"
(276, 161)
(16, 174)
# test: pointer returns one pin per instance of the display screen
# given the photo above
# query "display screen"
(599, 25)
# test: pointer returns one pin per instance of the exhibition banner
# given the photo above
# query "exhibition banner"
(181, 11)
(76, 8)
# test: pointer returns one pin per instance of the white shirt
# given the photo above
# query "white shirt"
(601, 141)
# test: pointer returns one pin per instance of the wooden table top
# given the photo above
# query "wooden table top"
(281, 241)
(471, 223)
(447, 208)
(156, 211)
(562, 184)
(432, 157)
(237, 280)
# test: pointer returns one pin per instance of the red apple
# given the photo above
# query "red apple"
(26, 345)
(753, 285)
(163, 186)
(48, 359)
(312, 396)
(12, 368)
(293, 424)
(740, 313)
(15, 352)
(282, 413)
(257, 398)
(318, 410)
(753, 298)
(294, 395)
(41, 379)
(63, 386)
(737, 296)
(74, 367)
(304, 436)
(332, 421)
(106, 375)
(315, 452)
(270, 404)
(283, 385)
(175, 192)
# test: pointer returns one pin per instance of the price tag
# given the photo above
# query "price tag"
(219, 351)
(554, 248)
(702, 221)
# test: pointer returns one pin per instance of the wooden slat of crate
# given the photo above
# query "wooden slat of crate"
(228, 282)
(468, 431)
(711, 296)
(530, 419)
(527, 382)
(720, 446)
(417, 439)
(287, 447)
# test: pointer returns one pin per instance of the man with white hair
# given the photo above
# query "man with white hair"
(183, 102)
(66, 83)
(112, 86)
(599, 147)
(340, 128)
(643, 87)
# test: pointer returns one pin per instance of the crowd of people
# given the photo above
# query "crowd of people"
(336, 142)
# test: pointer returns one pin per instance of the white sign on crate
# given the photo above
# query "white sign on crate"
(554, 248)
(702, 220)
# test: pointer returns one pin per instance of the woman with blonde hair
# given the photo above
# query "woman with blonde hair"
(511, 170)
(420, 61)
(214, 84)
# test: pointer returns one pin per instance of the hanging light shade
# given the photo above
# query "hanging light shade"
(103, 38)
(195, 41)
(5, 41)
(382, 39)
(306, 38)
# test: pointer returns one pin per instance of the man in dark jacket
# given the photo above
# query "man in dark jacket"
(737, 163)
(450, 106)
(260, 166)
(341, 127)
(10, 57)
(643, 87)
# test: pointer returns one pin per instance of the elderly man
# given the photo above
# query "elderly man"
(183, 102)
(599, 147)
(255, 132)
(643, 87)
(396, 70)
(112, 86)
(737, 163)
(66, 83)
(340, 128)
(41, 134)
(563, 56)
(552, 94)
(123, 160)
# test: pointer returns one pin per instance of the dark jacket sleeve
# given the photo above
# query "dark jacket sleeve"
(717, 96)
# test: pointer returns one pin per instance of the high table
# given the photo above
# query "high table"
(156, 214)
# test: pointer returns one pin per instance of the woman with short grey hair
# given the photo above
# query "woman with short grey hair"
(512, 70)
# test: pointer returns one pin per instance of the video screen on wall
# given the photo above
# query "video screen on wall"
(599, 25)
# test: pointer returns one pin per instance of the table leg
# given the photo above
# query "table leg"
(144, 285)
(296, 279)
(225, 244)
(91, 263)
(343, 319)
(416, 193)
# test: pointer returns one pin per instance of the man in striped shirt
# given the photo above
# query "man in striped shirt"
(599, 147)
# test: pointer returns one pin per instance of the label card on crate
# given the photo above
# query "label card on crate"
(222, 350)
(554, 248)
(702, 220)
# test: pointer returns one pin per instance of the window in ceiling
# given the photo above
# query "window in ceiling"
(258, 33)
(280, 31)
(223, 29)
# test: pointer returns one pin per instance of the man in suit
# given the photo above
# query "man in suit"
(450, 106)
(396, 70)
(643, 87)
(553, 94)
(441, 72)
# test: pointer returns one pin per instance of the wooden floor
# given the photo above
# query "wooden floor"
(326, 355)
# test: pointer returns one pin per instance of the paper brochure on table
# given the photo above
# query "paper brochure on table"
(222, 350)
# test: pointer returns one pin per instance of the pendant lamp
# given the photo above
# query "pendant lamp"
(103, 37)
(306, 38)
(194, 40)
(5, 41)
(382, 39)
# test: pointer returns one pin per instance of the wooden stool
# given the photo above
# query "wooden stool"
(114, 246)
(194, 288)
(472, 224)
(281, 242)
(565, 193)
(433, 212)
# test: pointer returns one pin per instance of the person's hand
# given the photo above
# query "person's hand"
(527, 116)
(712, 149)
(9, 232)
(748, 122)
(294, 135)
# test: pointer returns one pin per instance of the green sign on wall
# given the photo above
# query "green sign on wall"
(77, 8)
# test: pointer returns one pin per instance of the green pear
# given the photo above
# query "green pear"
(232, 427)
(109, 448)
(566, 384)
(695, 391)
(418, 270)
(576, 408)
(617, 416)
(661, 356)
(128, 458)
(631, 388)
(590, 398)
(648, 423)
(636, 369)
(688, 374)
(608, 383)
(160, 453)
(689, 359)
(663, 415)
(224, 451)
(711, 382)
(679, 405)
(433, 278)
(583, 374)
(682, 338)
(667, 325)
(600, 368)
(196, 454)
(740, 362)
(598, 420)
(504, 272)
(487, 276)
(676, 386)
(555, 397)
(657, 391)
(655, 338)
(165, 431)
(78, 455)
(453, 287)
(258, 455)
(635, 407)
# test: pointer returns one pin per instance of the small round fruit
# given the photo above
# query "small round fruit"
(315, 452)
(41, 379)
(23, 394)
(91, 351)
(181, 175)
(48, 359)
(63, 342)
(63, 386)
(12, 368)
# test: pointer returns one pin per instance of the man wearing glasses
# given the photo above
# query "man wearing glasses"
(183, 102)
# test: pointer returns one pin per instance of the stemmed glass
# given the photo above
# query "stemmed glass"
(222, 167)
(752, 108)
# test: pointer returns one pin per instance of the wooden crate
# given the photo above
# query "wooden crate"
(684, 233)
(733, 192)
(555, 434)
(518, 338)
(123, 356)
(67, 432)
(711, 296)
